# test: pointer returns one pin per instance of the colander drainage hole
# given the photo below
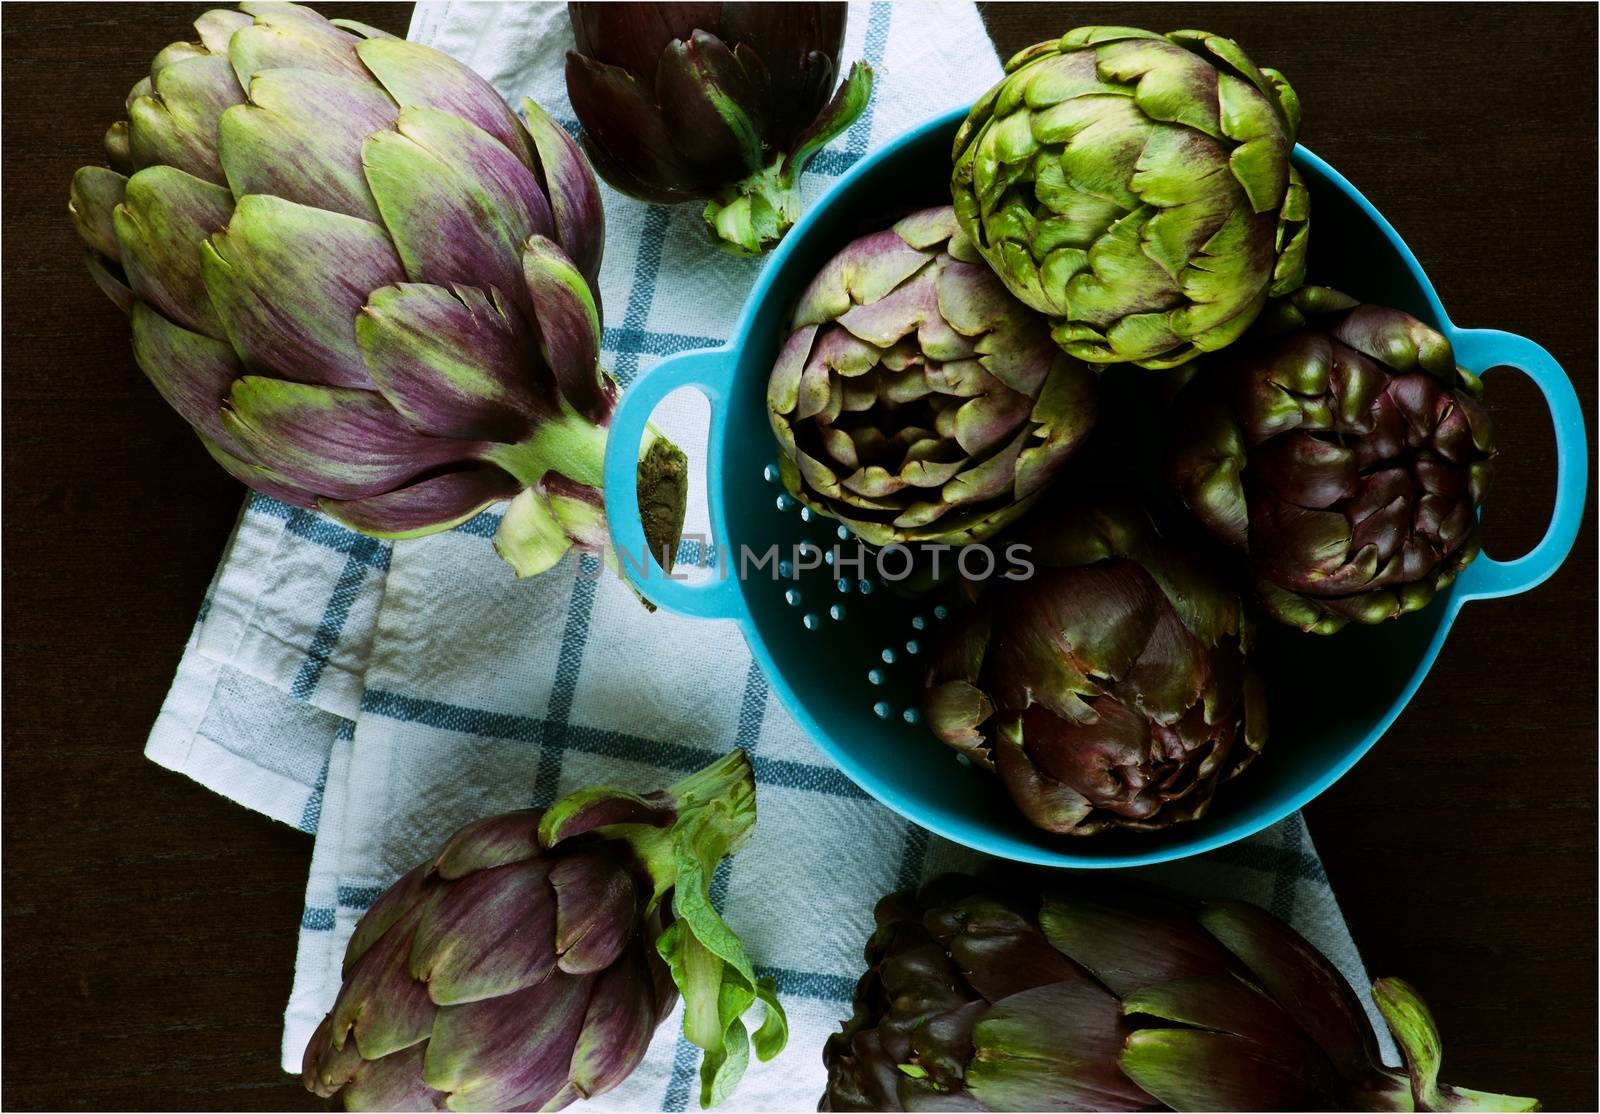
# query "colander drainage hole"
(811, 620)
(771, 473)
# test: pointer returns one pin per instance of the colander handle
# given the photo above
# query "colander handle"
(710, 371)
(1479, 350)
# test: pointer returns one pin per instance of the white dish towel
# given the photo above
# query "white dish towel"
(379, 696)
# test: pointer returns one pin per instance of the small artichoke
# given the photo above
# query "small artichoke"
(721, 103)
(983, 997)
(1343, 451)
(1138, 189)
(1112, 688)
(917, 401)
(366, 284)
(528, 963)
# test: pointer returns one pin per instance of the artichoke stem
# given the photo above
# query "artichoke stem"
(663, 495)
(753, 215)
(1412, 1024)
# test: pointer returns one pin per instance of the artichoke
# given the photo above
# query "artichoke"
(1137, 188)
(917, 401)
(528, 963)
(981, 997)
(1344, 452)
(721, 103)
(366, 285)
(1112, 688)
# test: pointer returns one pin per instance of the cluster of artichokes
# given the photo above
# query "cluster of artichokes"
(1133, 198)
(371, 288)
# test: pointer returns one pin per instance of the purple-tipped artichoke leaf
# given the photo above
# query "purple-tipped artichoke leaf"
(97, 191)
(287, 38)
(451, 361)
(392, 1083)
(1192, 1069)
(288, 282)
(509, 1050)
(164, 215)
(1052, 1047)
(300, 138)
(419, 76)
(625, 135)
(1127, 946)
(427, 506)
(191, 371)
(569, 324)
(216, 28)
(706, 101)
(175, 123)
(348, 444)
(457, 203)
(616, 1032)
(580, 222)
(1412, 1024)
(511, 837)
(488, 934)
(595, 912)
(380, 1007)
(848, 103)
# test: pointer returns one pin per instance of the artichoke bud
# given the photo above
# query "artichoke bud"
(1112, 689)
(1138, 189)
(915, 400)
(1034, 995)
(1344, 456)
(527, 964)
(724, 104)
(365, 282)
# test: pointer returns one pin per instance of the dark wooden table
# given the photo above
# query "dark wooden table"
(150, 925)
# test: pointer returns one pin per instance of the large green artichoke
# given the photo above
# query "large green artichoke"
(1344, 452)
(528, 963)
(1111, 688)
(365, 283)
(978, 997)
(1137, 188)
(916, 401)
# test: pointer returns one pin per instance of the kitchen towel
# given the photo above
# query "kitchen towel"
(381, 695)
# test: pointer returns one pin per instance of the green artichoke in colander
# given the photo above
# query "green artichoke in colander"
(367, 285)
(917, 401)
(1062, 995)
(1138, 189)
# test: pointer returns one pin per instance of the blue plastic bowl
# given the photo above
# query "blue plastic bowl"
(820, 668)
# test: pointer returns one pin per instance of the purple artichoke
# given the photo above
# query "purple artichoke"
(916, 400)
(528, 963)
(1343, 451)
(1110, 689)
(982, 997)
(721, 103)
(365, 283)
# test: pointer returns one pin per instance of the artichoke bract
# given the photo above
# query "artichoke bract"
(366, 284)
(980, 996)
(1138, 189)
(1344, 452)
(1112, 688)
(917, 401)
(528, 963)
(720, 103)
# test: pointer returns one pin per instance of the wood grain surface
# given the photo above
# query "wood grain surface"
(150, 925)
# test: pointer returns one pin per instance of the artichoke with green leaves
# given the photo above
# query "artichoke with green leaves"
(1343, 453)
(367, 285)
(1112, 688)
(917, 401)
(981, 996)
(527, 964)
(1138, 189)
